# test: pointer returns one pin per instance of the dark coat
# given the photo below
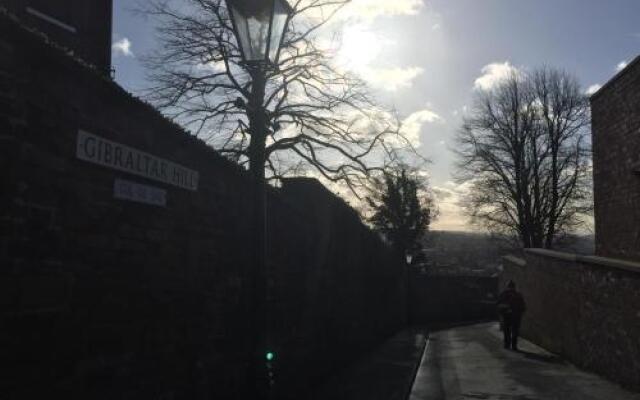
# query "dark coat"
(511, 302)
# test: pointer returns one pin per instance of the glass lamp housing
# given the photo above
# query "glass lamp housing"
(259, 27)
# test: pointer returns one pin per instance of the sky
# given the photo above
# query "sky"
(427, 58)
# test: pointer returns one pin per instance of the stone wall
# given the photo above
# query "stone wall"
(616, 165)
(105, 298)
(583, 308)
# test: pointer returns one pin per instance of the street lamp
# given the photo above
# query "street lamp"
(259, 27)
(409, 257)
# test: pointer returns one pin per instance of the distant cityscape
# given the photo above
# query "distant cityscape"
(478, 254)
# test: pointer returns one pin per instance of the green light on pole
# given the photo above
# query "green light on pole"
(270, 356)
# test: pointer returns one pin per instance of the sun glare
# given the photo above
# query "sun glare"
(359, 49)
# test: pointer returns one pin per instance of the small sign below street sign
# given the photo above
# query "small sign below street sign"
(131, 191)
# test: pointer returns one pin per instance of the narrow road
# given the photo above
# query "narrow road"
(469, 363)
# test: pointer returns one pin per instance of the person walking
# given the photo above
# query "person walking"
(511, 307)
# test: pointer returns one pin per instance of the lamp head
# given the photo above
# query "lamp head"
(259, 26)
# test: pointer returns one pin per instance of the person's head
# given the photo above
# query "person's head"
(511, 285)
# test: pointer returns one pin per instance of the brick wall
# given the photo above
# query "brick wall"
(583, 308)
(103, 298)
(83, 27)
(616, 165)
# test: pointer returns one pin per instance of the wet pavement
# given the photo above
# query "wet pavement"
(468, 362)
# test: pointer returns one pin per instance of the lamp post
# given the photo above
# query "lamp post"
(259, 27)
(409, 258)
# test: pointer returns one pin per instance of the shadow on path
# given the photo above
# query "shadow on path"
(386, 373)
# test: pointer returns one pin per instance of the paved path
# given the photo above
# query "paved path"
(469, 363)
(386, 373)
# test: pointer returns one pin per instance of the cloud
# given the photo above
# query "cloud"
(464, 110)
(366, 11)
(493, 73)
(372, 9)
(442, 194)
(391, 79)
(412, 125)
(621, 65)
(361, 46)
(213, 66)
(361, 49)
(452, 216)
(122, 47)
(593, 88)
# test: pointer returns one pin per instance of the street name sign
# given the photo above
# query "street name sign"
(97, 150)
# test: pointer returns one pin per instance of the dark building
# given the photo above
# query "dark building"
(616, 165)
(83, 26)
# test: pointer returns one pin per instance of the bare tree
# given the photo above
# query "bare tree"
(525, 153)
(316, 116)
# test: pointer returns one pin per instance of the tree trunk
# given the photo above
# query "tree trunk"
(553, 210)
